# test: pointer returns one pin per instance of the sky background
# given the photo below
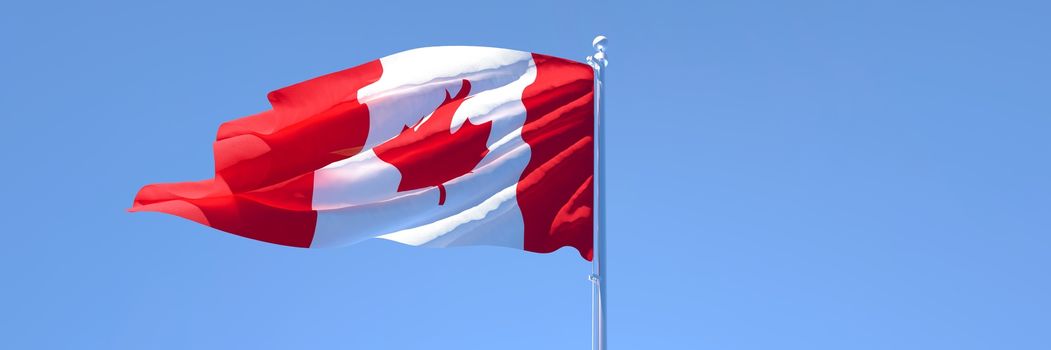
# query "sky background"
(797, 175)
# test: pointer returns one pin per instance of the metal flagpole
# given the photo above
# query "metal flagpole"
(598, 276)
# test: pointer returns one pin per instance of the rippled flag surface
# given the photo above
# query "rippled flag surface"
(437, 146)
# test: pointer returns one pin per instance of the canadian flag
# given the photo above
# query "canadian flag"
(438, 146)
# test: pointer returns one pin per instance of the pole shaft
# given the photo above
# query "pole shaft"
(598, 63)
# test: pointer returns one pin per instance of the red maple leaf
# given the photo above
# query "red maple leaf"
(430, 153)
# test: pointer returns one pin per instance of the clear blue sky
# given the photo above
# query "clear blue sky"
(813, 175)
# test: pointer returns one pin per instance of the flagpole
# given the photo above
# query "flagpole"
(599, 270)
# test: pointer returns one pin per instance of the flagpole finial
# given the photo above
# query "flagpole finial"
(598, 60)
(600, 43)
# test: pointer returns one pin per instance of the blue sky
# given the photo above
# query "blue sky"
(804, 175)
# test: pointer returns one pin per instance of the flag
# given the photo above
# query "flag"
(437, 146)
